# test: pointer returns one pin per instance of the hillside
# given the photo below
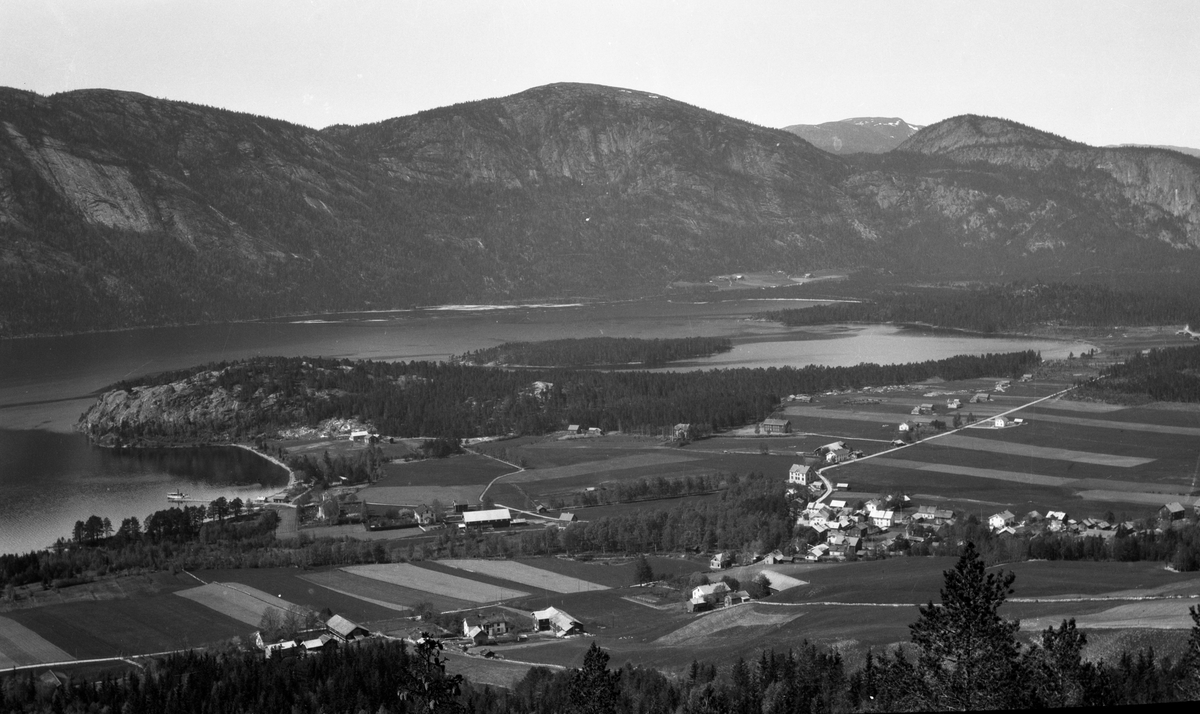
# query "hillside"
(119, 210)
(871, 135)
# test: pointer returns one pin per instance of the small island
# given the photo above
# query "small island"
(597, 352)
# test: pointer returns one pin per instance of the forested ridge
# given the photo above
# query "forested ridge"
(591, 351)
(1012, 307)
(454, 400)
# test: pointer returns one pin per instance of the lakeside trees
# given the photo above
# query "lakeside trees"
(456, 401)
(589, 351)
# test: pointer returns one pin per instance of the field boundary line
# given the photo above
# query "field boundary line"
(118, 658)
(519, 469)
(838, 604)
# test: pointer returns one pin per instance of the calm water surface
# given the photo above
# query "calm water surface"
(50, 477)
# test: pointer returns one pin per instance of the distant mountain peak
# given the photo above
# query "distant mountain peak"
(975, 131)
(870, 135)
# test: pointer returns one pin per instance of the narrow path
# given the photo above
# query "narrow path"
(519, 469)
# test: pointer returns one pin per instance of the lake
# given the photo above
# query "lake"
(50, 477)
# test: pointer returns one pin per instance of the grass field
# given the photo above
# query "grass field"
(710, 628)
(20, 646)
(431, 581)
(109, 628)
(237, 601)
(381, 593)
(996, 446)
(497, 673)
(527, 575)
(585, 472)
(461, 470)
(305, 588)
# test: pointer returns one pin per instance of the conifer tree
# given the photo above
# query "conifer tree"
(968, 654)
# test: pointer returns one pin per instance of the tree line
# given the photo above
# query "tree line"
(593, 351)
(1167, 374)
(457, 401)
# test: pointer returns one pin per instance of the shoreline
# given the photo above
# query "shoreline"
(291, 474)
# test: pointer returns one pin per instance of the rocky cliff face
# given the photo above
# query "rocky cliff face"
(184, 410)
(119, 210)
(1156, 188)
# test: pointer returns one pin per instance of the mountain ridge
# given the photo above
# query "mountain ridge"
(120, 210)
(856, 135)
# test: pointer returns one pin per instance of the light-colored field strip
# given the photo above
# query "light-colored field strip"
(410, 576)
(1126, 425)
(1151, 615)
(1153, 499)
(526, 575)
(594, 467)
(975, 443)
(703, 628)
(996, 474)
(241, 602)
(20, 645)
(878, 417)
(1091, 407)
(364, 598)
(779, 581)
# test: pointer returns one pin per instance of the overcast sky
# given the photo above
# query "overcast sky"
(1098, 71)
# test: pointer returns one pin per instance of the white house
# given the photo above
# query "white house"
(557, 621)
(710, 592)
(798, 474)
(1001, 519)
(881, 519)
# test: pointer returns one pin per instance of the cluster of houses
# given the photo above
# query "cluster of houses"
(336, 631)
(489, 628)
(1006, 523)
(843, 531)
(580, 430)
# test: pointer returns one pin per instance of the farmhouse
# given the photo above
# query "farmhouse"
(980, 398)
(493, 625)
(1173, 511)
(833, 446)
(494, 517)
(575, 429)
(953, 403)
(345, 630)
(477, 636)
(1001, 519)
(999, 422)
(776, 426)
(360, 435)
(556, 621)
(720, 561)
(798, 474)
(882, 519)
(709, 593)
(324, 643)
(736, 598)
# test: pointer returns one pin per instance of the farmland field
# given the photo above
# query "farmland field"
(240, 602)
(383, 593)
(306, 588)
(20, 646)
(431, 581)
(460, 470)
(498, 673)
(581, 472)
(531, 576)
(960, 441)
(108, 628)
(710, 628)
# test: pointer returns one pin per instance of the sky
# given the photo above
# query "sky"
(1098, 71)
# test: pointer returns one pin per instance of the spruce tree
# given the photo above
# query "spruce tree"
(968, 654)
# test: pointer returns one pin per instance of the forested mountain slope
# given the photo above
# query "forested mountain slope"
(118, 210)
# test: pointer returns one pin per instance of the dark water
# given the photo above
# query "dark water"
(50, 477)
(49, 480)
